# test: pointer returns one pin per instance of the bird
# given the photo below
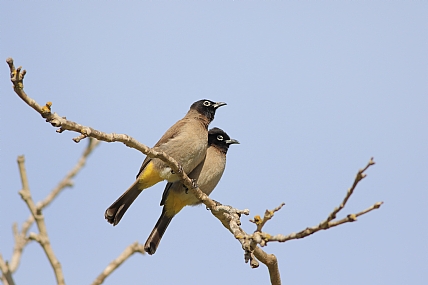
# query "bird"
(208, 173)
(186, 141)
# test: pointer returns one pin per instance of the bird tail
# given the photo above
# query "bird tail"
(115, 212)
(158, 231)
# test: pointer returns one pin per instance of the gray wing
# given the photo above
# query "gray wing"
(169, 134)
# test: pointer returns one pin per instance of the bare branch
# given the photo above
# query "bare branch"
(268, 215)
(130, 250)
(326, 224)
(231, 220)
(6, 276)
(308, 231)
(360, 175)
(42, 237)
(21, 239)
(271, 263)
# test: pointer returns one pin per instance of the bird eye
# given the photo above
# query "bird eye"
(207, 103)
(220, 137)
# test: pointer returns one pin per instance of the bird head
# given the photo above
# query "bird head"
(220, 139)
(207, 108)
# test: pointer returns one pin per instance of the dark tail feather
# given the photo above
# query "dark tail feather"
(155, 237)
(116, 211)
(165, 193)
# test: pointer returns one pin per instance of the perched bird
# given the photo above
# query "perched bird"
(186, 141)
(176, 196)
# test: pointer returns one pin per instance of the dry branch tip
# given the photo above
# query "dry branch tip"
(79, 138)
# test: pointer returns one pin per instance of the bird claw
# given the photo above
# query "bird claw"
(194, 185)
(180, 169)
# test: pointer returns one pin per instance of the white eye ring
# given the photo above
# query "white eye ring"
(220, 137)
(207, 103)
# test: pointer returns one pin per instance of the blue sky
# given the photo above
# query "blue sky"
(314, 89)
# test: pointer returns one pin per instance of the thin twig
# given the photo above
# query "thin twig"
(130, 250)
(42, 237)
(268, 215)
(360, 175)
(21, 241)
(263, 238)
(311, 230)
(6, 276)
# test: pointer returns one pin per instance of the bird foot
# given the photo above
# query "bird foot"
(194, 185)
(180, 169)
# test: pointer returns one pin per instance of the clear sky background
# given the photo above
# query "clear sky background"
(314, 89)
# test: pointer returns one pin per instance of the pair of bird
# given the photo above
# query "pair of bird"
(200, 153)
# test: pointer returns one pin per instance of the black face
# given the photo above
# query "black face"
(220, 139)
(206, 108)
